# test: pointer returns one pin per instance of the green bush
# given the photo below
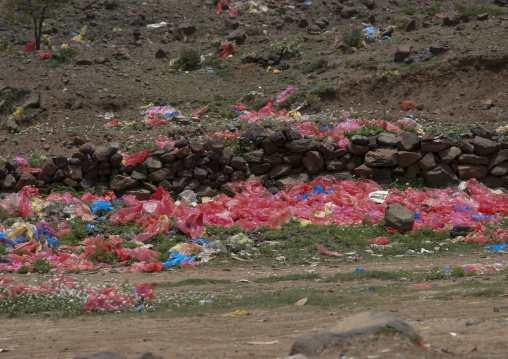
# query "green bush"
(492, 10)
(65, 55)
(287, 47)
(352, 38)
(410, 10)
(189, 59)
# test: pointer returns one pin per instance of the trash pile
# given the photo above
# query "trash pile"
(467, 212)
(68, 295)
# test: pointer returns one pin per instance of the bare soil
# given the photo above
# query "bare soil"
(452, 322)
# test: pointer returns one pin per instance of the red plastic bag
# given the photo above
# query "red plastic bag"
(228, 48)
(409, 106)
(420, 286)
(477, 239)
(220, 5)
(29, 47)
(382, 241)
(137, 157)
(323, 250)
(63, 228)
(200, 111)
(186, 264)
(113, 123)
(145, 290)
(191, 223)
(233, 13)
(45, 55)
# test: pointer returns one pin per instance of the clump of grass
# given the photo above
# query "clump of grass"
(492, 10)
(432, 10)
(189, 59)
(318, 67)
(410, 10)
(352, 38)
(287, 47)
(65, 55)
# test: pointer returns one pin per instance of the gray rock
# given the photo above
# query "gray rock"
(84, 62)
(181, 152)
(499, 157)
(153, 164)
(9, 181)
(302, 145)
(3, 172)
(48, 167)
(215, 146)
(406, 24)
(357, 150)
(255, 156)
(313, 162)
(403, 51)
(437, 50)
(450, 154)
(280, 170)
(316, 344)
(465, 146)
(259, 169)
(161, 175)
(187, 29)
(409, 142)
(327, 146)
(382, 157)
(435, 146)
(451, 19)
(121, 183)
(484, 146)
(197, 149)
(149, 355)
(399, 217)
(406, 158)
(87, 148)
(388, 139)
(275, 160)
(440, 175)
(238, 36)
(160, 54)
(226, 156)
(360, 140)
(239, 163)
(75, 172)
(295, 178)
(26, 179)
(500, 170)
(12, 125)
(33, 99)
(122, 54)
(427, 162)
(364, 170)
(482, 132)
(472, 171)
(348, 12)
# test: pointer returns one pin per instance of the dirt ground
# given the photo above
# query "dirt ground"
(455, 326)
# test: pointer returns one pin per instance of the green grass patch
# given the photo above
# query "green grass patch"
(492, 10)
(194, 282)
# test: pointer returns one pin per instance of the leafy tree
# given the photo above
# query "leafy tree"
(38, 10)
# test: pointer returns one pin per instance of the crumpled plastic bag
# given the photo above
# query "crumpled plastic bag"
(83, 211)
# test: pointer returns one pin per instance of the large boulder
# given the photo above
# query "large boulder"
(399, 217)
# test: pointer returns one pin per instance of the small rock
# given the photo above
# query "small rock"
(403, 51)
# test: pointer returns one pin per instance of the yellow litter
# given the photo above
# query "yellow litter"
(236, 313)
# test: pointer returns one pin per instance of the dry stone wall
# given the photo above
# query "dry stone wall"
(282, 157)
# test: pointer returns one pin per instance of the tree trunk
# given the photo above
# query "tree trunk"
(37, 39)
(38, 30)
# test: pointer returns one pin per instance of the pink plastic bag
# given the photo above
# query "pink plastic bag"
(22, 162)
(63, 228)
(382, 241)
(25, 206)
(191, 223)
(29, 47)
(409, 106)
(200, 111)
(283, 96)
(83, 211)
(420, 286)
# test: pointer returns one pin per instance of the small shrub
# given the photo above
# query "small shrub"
(287, 47)
(410, 10)
(65, 55)
(318, 66)
(352, 38)
(325, 90)
(492, 10)
(432, 10)
(189, 59)
(42, 265)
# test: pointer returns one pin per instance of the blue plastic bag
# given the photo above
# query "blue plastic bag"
(101, 206)
(498, 247)
(176, 259)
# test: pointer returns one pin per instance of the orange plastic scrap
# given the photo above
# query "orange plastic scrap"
(201, 111)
